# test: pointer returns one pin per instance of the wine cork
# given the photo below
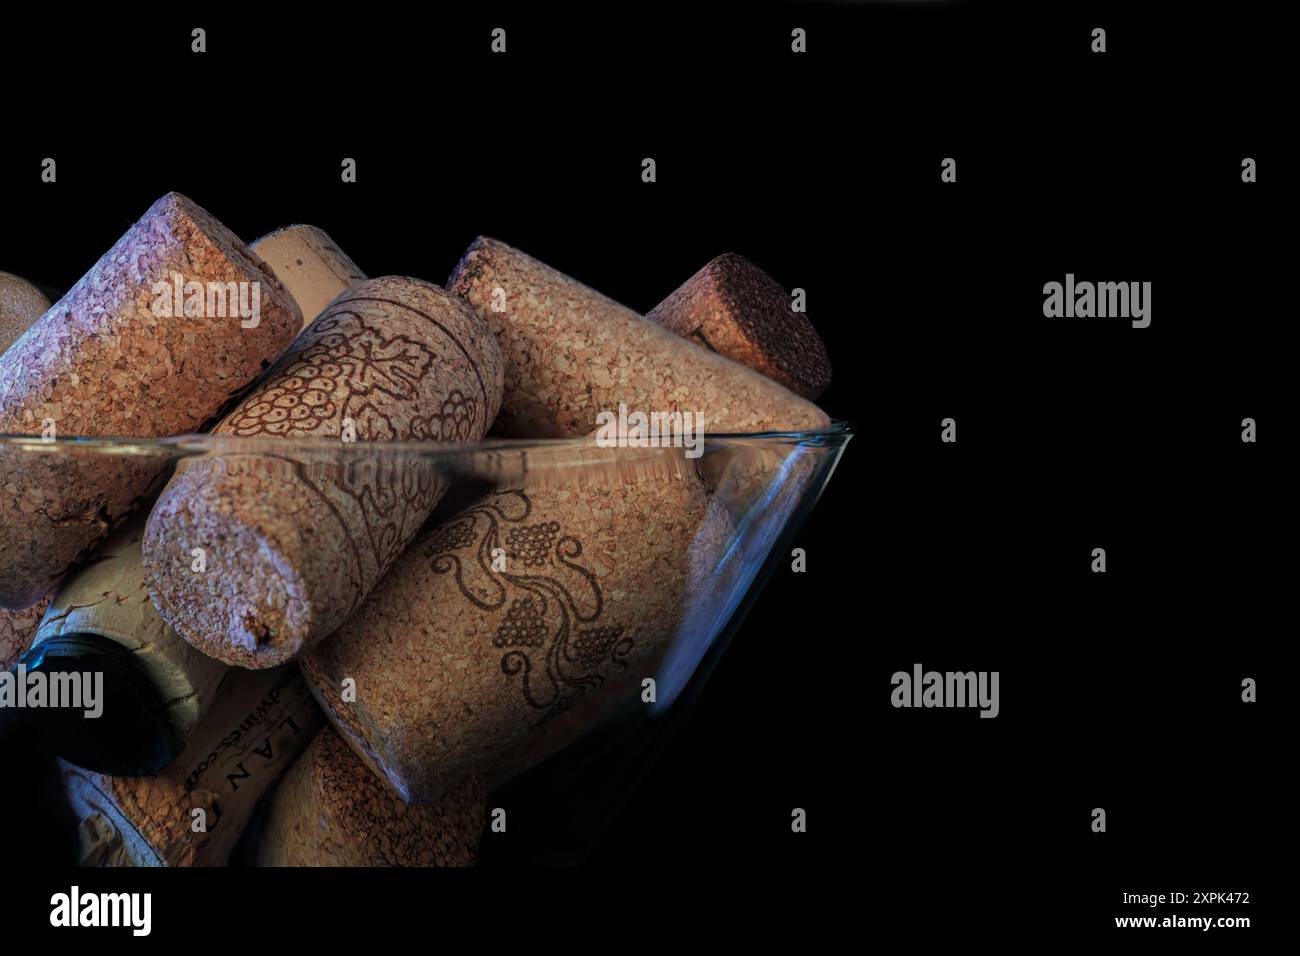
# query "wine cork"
(311, 266)
(106, 360)
(734, 308)
(330, 810)
(292, 546)
(18, 630)
(21, 304)
(572, 354)
(534, 605)
(194, 812)
(106, 603)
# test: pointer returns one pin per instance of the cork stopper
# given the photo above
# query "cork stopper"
(259, 724)
(734, 308)
(332, 811)
(311, 266)
(112, 358)
(515, 625)
(21, 304)
(572, 354)
(293, 545)
(106, 604)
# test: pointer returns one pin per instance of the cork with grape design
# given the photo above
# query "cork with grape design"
(293, 541)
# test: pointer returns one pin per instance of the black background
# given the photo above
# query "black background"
(1119, 691)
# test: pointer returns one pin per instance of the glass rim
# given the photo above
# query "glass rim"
(837, 433)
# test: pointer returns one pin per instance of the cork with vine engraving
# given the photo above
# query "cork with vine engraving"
(293, 541)
(512, 627)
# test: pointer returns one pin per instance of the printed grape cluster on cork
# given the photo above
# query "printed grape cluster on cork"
(380, 545)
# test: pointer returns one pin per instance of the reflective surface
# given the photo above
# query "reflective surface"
(518, 596)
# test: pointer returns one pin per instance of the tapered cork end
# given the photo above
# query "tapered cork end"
(293, 544)
(124, 354)
(21, 304)
(103, 361)
(310, 264)
(573, 355)
(734, 308)
(368, 738)
(270, 549)
(332, 811)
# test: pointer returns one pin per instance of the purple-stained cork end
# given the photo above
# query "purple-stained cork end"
(734, 308)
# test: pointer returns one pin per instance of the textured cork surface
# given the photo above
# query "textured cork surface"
(100, 362)
(311, 266)
(260, 723)
(108, 597)
(572, 353)
(462, 667)
(294, 546)
(332, 811)
(734, 308)
(18, 630)
(21, 304)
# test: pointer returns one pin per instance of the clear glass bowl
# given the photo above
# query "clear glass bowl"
(582, 592)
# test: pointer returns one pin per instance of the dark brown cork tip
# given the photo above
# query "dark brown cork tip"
(572, 354)
(734, 308)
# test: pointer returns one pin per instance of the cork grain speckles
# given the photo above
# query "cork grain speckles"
(571, 353)
(461, 668)
(332, 811)
(736, 309)
(100, 362)
(160, 807)
(18, 630)
(21, 304)
(294, 545)
(258, 724)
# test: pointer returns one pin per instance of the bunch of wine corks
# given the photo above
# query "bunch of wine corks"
(292, 546)
(194, 812)
(330, 810)
(505, 631)
(310, 264)
(499, 636)
(108, 597)
(106, 602)
(571, 354)
(734, 308)
(21, 304)
(102, 362)
(315, 271)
